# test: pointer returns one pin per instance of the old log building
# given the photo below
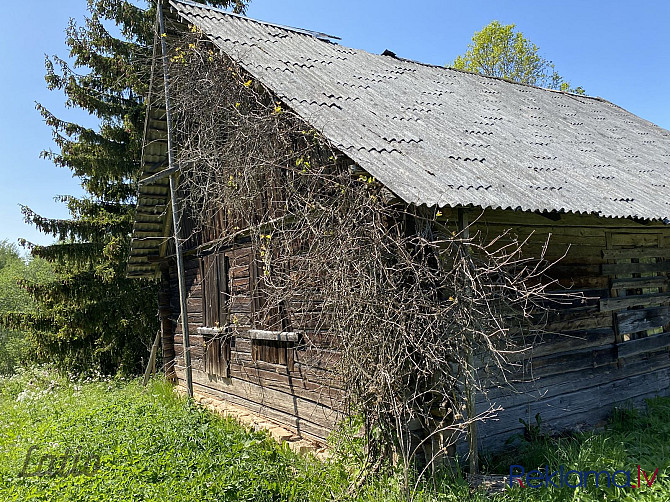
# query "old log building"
(539, 162)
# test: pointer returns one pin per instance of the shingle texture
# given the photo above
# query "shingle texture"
(438, 136)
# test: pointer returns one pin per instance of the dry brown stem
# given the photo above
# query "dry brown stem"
(398, 292)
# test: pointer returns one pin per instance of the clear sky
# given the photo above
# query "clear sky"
(616, 49)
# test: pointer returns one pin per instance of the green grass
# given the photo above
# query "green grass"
(153, 445)
(631, 438)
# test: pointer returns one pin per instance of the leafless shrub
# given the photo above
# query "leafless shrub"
(422, 314)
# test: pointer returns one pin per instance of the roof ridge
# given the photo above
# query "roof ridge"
(329, 38)
(316, 34)
(502, 79)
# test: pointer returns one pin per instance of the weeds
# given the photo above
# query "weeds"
(154, 445)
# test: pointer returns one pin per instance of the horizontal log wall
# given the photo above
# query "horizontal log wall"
(611, 349)
(305, 398)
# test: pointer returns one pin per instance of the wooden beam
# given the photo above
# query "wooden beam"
(151, 367)
(212, 331)
(635, 268)
(641, 345)
(623, 302)
(183, 294)
(640, 282)
(653, 252)
(278, 336)
(632, 321)
(470, 397)
(159, 175)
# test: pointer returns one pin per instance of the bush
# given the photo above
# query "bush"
(17, 348)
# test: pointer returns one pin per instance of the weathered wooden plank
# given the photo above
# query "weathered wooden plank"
(585, 281)
(635, 239)
(641, 345)
(258, 396)
(240, 304)
(570, 300)
(278, 336)
(194, 322)
(300, 425)
(609, 304)
(568, 362)
(634, 268)
(568, 248)
(651, 252)
(576, 321)
(194, 305)
(559, 241)
(320, 338)
(528, 387)
(212, 331)
(497, 440)
(641, 282)
(553, 344)
(591, 404)
(632, 321)
(321, 376)
(322, 393)
(322, 359)
(506, 217)
(239, 271)
(239, 285)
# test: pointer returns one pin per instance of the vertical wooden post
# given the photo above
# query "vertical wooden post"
(151, 367)
(175, 209)
(464, 232)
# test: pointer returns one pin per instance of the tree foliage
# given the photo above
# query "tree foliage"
(501, 51)
(91, 315)
(16, 346)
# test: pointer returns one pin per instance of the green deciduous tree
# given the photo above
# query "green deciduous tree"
(500, 51)
(91, 316)
(17, 346)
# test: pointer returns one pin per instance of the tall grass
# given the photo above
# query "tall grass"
(152, 445)
(631, 438)
(155, 446)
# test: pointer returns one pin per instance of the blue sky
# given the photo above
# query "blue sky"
(619, 50)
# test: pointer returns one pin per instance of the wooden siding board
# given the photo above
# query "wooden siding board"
(298, 424)
(635, 268)
(552, 344)
(643, 345)
(591, 404)
(631, 321)
(526, 388)
(608, 304)
(252, 396)
(659, 281)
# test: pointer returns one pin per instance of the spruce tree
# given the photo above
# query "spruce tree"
(91, 316)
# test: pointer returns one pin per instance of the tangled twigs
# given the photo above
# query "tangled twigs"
(397, 292)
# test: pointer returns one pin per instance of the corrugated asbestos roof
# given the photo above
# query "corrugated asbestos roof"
(438, 136)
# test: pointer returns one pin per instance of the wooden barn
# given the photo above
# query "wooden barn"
(507, 156)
